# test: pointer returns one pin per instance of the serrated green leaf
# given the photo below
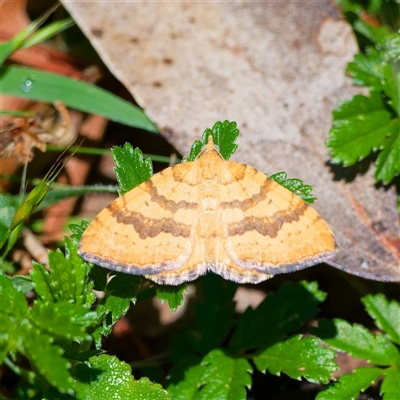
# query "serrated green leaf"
(109, 378)
(390, 386)
(13, 310)
(130, 168)
(172, 294)
(46, 357)
(23, 283)
(387, 163)
(9, 335)
(367, 70)
(49, 87)
(77, 231)
(295, 185)
(393, 48)
(224, 136)
(120, 293)
(360, 126)
(194, 151)
(217, 376)
(391, 86)
(298, 357)
(358, 341)
(145, 389)
(225, 377)
(185, 379)
(349, 386)
(386, 314)
(63, 320)
(64, 275)
(278, 315)
(214, 313)
(80, 271)
(97, 335)
(12, 301)
(44, 286)
(377, 35)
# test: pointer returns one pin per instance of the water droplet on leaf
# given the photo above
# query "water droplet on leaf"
(28, 83)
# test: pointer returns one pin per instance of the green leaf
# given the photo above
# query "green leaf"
(79, 272)
(350, 385)
(8, 207)
(120, 293)
(225, 377)
(185, 378)
(360, 126)
(367, 70)
(56, 195)
(48, 32)
(43, 284)
(130, 168)
(13, 310)
(38, 85)
(109, 378)
(23, 283)
(278, 315)
(386, 314)
(390, 386)
(358, 341)
(393, 48)
(214, 313)
(145, 389)
(391, 86)
(77, 232)
(46, 357)
(377, 35)
(224, 136)
(172, 294)
(298, 357)
(66, 276)
(63, 320)
(217, 376)
(68, 279)
(387, 163)
(24, 36)
(296, 186)
(12, 301)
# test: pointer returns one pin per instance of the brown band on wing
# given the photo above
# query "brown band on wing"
(253, 200)
(149, 227)
(163, 202)
(267, 226)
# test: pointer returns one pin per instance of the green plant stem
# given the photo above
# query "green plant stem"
(101, 152)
